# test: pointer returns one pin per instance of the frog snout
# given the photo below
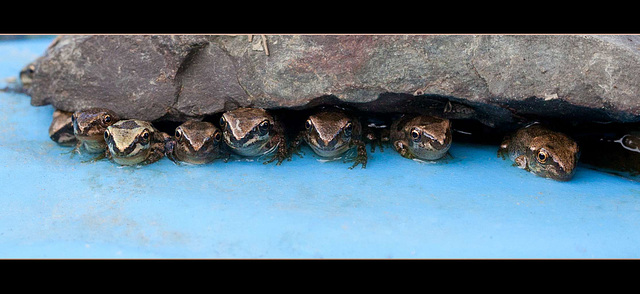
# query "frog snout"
(324, 143)
(327, 144)
(116, 151)
(200, 146)
(438, 145)
(197, 148)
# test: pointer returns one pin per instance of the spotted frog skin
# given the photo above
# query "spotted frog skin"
(195, 142)
(330, 132)
(89, 126)
(541, 151)
(254, 132)
(61, 128)
(421, 136)
(134, 142)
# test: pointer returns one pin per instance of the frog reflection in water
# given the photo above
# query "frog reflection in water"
(196, 142)
(541, 151)
(254, 132)
(89, 126)
(331, 133)
(132, 142)
(421, 137)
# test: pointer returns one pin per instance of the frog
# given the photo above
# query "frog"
(421, 137)
(26, 75)
(89, 126)
(195, 142)
(331, 132)
(61, 128)
(134, 142)
(542, 151)
(254, 132)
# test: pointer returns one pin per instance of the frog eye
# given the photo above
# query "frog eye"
(308, 125)
(107, 118)
(178, 133)
(542, 156)
(348, 128)
(223, 122)
(145, 135)
(264, 127)
(415, 134)
(106, 135)
(217, 136)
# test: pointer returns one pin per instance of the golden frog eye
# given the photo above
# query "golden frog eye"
(307, 124)
(178, 133)
(223, 122)
(106, 135)
(415, 134)
(217, 136)
(542, 156)
(107, 118)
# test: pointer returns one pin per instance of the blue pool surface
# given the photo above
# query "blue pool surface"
(475, 205)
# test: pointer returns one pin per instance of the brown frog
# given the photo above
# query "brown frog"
(196, 142)
(421, 136)
(542, 151)
(134, 142)
(88, 128)
(61, 128)
(330, 133)
(254, 132)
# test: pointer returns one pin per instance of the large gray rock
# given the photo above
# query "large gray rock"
(492, 78)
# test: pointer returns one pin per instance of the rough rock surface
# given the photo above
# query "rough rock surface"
(493, 78)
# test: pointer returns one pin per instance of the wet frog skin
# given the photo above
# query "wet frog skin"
(134, 142)
(89, 126)
(254, 132)
(331, 133)
(421, 136)
(541, 151)
(195, 142)
(61, 128)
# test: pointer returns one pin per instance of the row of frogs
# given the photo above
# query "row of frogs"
(330, 132)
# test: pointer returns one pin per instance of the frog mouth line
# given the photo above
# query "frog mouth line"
(329, 151)
(83, 137)
(124, 154)
(129, 152)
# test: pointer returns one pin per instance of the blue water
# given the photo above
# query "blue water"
(475, 205)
